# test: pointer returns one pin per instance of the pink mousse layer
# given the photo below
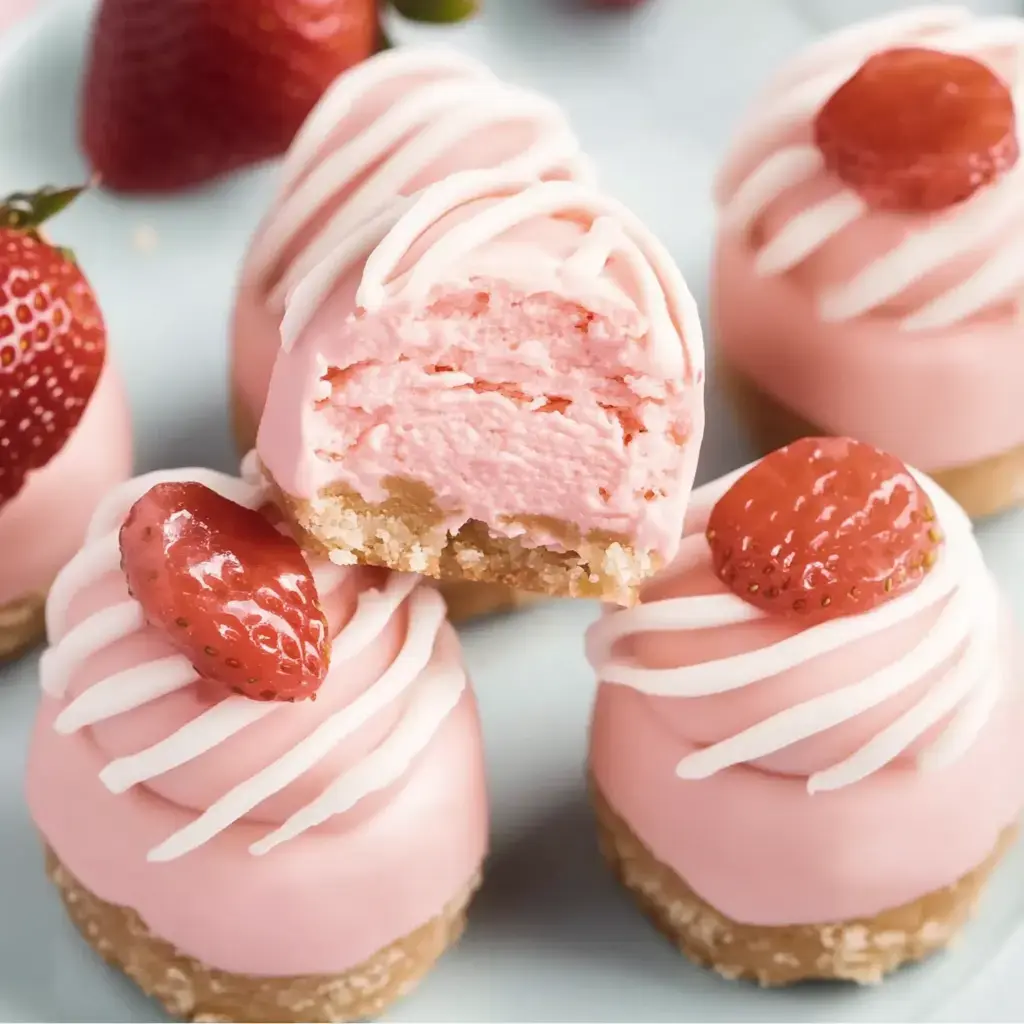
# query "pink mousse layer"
(750, 840)
(255, 335)
(936, 399)
(43, 526)
(496, 393)
(319, 903)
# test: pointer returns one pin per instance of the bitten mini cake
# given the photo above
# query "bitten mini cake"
(869, 277)
(401, 121)
(65, 437)
(496, 380)
(259, 780)
(806, 749)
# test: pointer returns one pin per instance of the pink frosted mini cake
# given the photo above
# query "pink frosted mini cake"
(869, 277)
(65, 437)
(401, 121)
(496, 380)
(806, 752)
(259, 780)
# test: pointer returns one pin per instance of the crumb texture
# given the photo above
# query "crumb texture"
(465, 600)
(190, 990)
(22, 625)
(406, 533)
(862, 951)
(983, 488)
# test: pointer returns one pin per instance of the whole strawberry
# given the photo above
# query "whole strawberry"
(178, 92)
(53, 342)
(234, 595)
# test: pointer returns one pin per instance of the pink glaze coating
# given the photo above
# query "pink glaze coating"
(436, 94)
(322, 903)
(763, 851)
(530, 352)
(324, 899)
(43, 526)
(936, 399)
(868, 323)
(753, 839)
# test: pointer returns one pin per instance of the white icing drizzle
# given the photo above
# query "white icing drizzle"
(942, 239)
(448, 102)
(427, 613)
(60, 661)
(345, 91)
(674, 327)
(965, 635)
(125, 691)
(432, 694)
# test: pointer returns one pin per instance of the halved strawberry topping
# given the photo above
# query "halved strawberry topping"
(824, 527)
(53, 342)
(232, 593)
(918, 129)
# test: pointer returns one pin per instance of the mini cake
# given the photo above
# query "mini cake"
(399, 122)
(805, 751)
(868, 277)
(65, 437)
(259, 780)
(496, 380)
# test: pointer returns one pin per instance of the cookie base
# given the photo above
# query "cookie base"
(465, 600)
(862, 951)
(984, 488)
(406, 533)
(22, 625)
(192, 991)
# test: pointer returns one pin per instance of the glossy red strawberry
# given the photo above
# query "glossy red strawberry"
(231, 592)
(919, 130)
(822, 528)
(52, 339)
(178, 92)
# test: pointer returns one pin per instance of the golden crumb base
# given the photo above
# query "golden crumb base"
(863, 951)
(22, 625)
(983, 488)
(406, 532)
(189, 990)
(465, 600)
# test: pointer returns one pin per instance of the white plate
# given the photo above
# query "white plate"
(551, 937)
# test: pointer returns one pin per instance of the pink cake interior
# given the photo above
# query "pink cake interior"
(521, 399)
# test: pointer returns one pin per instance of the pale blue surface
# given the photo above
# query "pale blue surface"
(551, 937)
